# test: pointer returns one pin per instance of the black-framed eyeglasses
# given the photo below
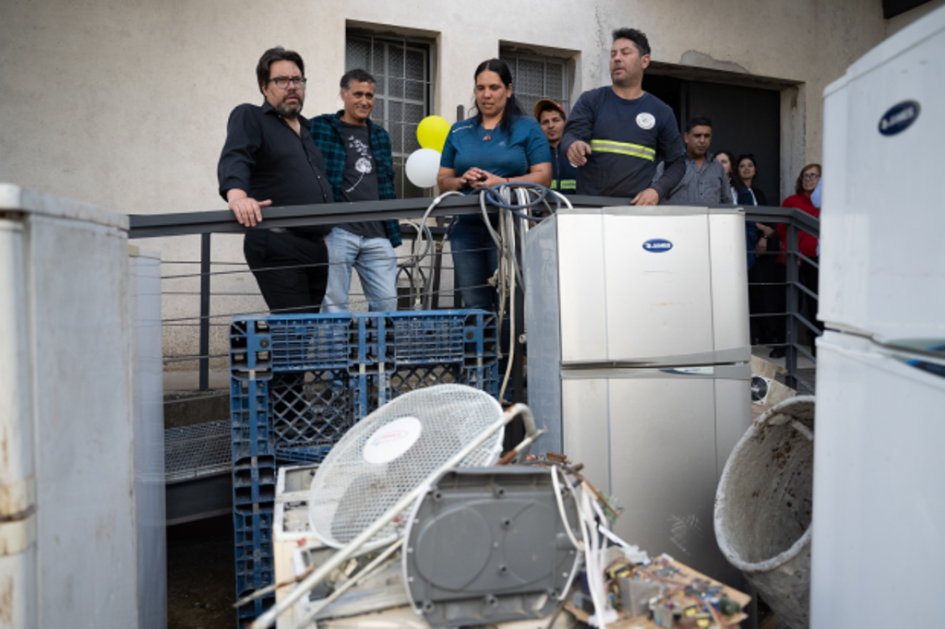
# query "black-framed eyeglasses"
(811, 176)
(282, 82)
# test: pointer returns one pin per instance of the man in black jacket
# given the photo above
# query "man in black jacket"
(269, 158)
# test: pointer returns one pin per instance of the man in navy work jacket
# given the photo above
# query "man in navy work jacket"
(360, 168)
(617, 134)
(269, 158)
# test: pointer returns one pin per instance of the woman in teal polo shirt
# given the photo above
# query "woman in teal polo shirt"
(497, 145)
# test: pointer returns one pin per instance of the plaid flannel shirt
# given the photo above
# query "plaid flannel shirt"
(326, 132)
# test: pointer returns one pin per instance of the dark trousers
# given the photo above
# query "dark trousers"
(298, 288)
(767, 300)
(475, 260)
(809, 278)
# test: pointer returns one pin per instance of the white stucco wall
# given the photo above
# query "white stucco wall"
(123, 103)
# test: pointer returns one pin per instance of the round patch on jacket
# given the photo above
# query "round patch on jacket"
(646, 121)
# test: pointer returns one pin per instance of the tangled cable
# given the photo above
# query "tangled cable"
(513, 224)
(529, 195)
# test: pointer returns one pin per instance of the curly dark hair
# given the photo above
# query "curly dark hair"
(637, 37)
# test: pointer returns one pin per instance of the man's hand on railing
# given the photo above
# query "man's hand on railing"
(248, 211)
(647, 197)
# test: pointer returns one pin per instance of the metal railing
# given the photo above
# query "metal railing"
(795, 322)
(208, 223)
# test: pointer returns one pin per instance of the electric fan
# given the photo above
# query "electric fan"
(390, 452)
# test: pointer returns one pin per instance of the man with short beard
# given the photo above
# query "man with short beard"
(616, 135)
(269, 158)
(705, 181)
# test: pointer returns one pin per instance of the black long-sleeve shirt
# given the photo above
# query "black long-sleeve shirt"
(628, 139)
(266, 159)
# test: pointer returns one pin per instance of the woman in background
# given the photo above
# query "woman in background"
(761, 241)
(726, 158)
(807, 244)
(497, 145)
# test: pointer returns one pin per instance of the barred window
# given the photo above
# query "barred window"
(535, 77)
(403, 92)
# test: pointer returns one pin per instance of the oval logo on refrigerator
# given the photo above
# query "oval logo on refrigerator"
(899, 117)
(657, 245)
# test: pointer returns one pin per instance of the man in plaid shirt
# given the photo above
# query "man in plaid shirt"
(359, 167)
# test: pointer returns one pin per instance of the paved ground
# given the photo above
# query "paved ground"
(201, 583)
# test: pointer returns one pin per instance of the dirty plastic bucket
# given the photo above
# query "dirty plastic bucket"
(763, 507)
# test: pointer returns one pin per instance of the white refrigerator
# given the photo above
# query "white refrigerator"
(638, 361)
(879, 505)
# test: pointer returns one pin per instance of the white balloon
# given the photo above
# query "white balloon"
(422, 167)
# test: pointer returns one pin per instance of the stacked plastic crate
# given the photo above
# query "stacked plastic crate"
(299, 382)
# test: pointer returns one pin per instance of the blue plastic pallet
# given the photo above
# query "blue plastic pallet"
(299, 382)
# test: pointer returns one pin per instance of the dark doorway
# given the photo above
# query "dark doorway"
(744, 120)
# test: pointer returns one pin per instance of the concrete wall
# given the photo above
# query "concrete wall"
(123, 103)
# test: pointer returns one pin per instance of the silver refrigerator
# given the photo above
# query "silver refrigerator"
(638, 361)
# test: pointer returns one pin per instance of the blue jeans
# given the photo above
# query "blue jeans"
(375, 261)
(475, 260)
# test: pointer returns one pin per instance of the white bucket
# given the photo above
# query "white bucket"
(764, 504)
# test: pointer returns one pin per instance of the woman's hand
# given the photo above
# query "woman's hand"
(487, 180)
(767, 231)
(473, 177)
(479, 178)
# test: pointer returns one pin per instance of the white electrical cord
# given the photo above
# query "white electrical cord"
(593, 559)
(578, 544)
(423, 294)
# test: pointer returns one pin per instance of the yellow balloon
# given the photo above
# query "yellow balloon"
(432, 132)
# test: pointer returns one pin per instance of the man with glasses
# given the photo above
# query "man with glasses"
(360, 168)
(269, 158)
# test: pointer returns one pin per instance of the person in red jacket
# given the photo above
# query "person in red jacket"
(807, 243)
(803, 188)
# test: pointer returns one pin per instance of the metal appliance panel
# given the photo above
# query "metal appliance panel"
(732, 410)
(586, 427)
(582, 286)
(73, 557)
(658, 301)
(144, 305)
(649, 437)
(544, 331)
(877, 272)
(729, 275)
(878, 473)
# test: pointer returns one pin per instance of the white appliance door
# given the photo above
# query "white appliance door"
(878, 497)
(882, 268)
(651, 439)
(652, 286)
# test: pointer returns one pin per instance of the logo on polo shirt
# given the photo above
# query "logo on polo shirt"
(646, 121)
